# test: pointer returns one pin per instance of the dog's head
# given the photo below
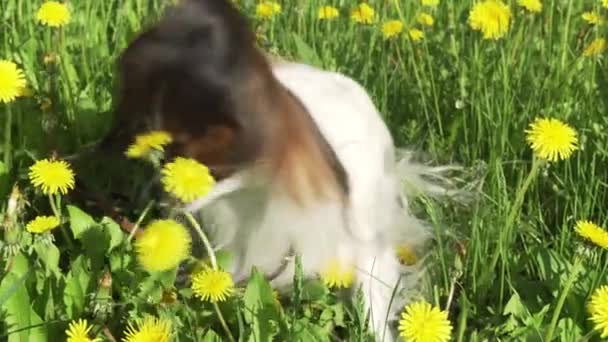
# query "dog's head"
(198, 75)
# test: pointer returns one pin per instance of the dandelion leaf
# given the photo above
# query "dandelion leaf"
(79, 221)
(16, 304)
(305, 52)
(260, 308)
(77, 283)
(113, 229)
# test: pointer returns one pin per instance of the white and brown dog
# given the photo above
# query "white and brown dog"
(304, 162)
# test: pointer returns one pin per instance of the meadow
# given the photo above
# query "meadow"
(515, 95)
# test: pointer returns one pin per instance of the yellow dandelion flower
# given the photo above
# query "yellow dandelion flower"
(149, 329)
(212, 285)
(592, 232)
(430, 3)
(597, 47)
(42, 224)
(421, 322)
(406, 255)
(598, 308)
(53, 14)
(187, 179)
(531, 5)
(392, 28)
(425, 19)
(267, 9)
(52, 176)
(12, 81)
(592, 18)
(163, 245)
(336, 274)
(328, 13)
(363, 14)
(491, 17)
(78, 331)
(416, 34)
(551, 139)
(147, 142)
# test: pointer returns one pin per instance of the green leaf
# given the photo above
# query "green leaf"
(96, 242)
(116, 234)
(515, 307)
(167, 278)
(16, 304)
(304, 331)
(79, 221)
(314, 290)
(211, 336)
(260, 307)
(305, 53)
(77, 283)
(224, 259)
(49, 255)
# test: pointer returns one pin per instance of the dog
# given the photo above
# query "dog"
(304, 163)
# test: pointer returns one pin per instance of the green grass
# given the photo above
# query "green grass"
(460, 98)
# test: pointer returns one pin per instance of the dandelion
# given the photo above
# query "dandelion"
(551, 139)
(12, 81)
(425, 19)
(149, 329)
(421, 322)
(52, 176)
(78, 331)
(163, 245)
(598, 308)
(430, 3)
(328, 13)
(392, 28)
(147, 142)
(53, 14)
(406, 255)
(337, 275)
(42, 224)
(597, 47)
(416, 34)
(212, 285)
(187, 179)
(267, 9)
(491, 17)
(592, 18)
(531, 5)
(363, 14)
(592, 232)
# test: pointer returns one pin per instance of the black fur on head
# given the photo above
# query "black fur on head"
(196, 73)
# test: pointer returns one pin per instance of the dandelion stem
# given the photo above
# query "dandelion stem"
(139, 220)
(7, 138)
(206, 242)
(576, 268)
(213, 260)
(223, 322)
(55, 207)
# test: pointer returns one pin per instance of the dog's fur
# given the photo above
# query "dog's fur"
(303, 160)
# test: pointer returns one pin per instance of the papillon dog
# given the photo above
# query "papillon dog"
(304, 163)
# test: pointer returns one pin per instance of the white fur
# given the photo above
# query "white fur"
(257, 221)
